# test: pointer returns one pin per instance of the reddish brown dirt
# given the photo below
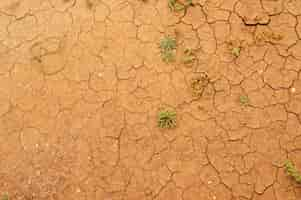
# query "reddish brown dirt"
(81, 83)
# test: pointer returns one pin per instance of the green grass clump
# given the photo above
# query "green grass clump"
(177, 6)
(5, 197)
(167, 119)
(244, 100)
(168, 46)
(292, 171)
(236, 51)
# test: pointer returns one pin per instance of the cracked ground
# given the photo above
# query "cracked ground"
(82, 81)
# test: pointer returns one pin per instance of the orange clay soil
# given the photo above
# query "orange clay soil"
(81, 84)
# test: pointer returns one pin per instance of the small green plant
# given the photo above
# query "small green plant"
(292, 171)
(168, 46)
(236, 51)
(168, 43)
(176, 5)
(5, 197)
(244, 100)
(198, 83)
(189, 56)
(167, 119)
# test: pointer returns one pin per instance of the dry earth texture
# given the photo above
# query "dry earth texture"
(82, 83)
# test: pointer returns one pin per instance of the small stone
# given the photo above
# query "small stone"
(37, 145)
(78, 190)
(99, 74)
(214, 197)
(293, 90)
(209, 182)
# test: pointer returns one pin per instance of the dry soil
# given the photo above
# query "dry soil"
(82, 81)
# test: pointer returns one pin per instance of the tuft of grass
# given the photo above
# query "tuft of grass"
(168, 46)
(199, 83)
(5, 197)
(189, 56)
(236, 51)
(167, 119)
(292, 171)
(168, 43)
(176, 5)
(244, 100)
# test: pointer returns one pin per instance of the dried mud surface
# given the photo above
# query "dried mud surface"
(82, 81)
